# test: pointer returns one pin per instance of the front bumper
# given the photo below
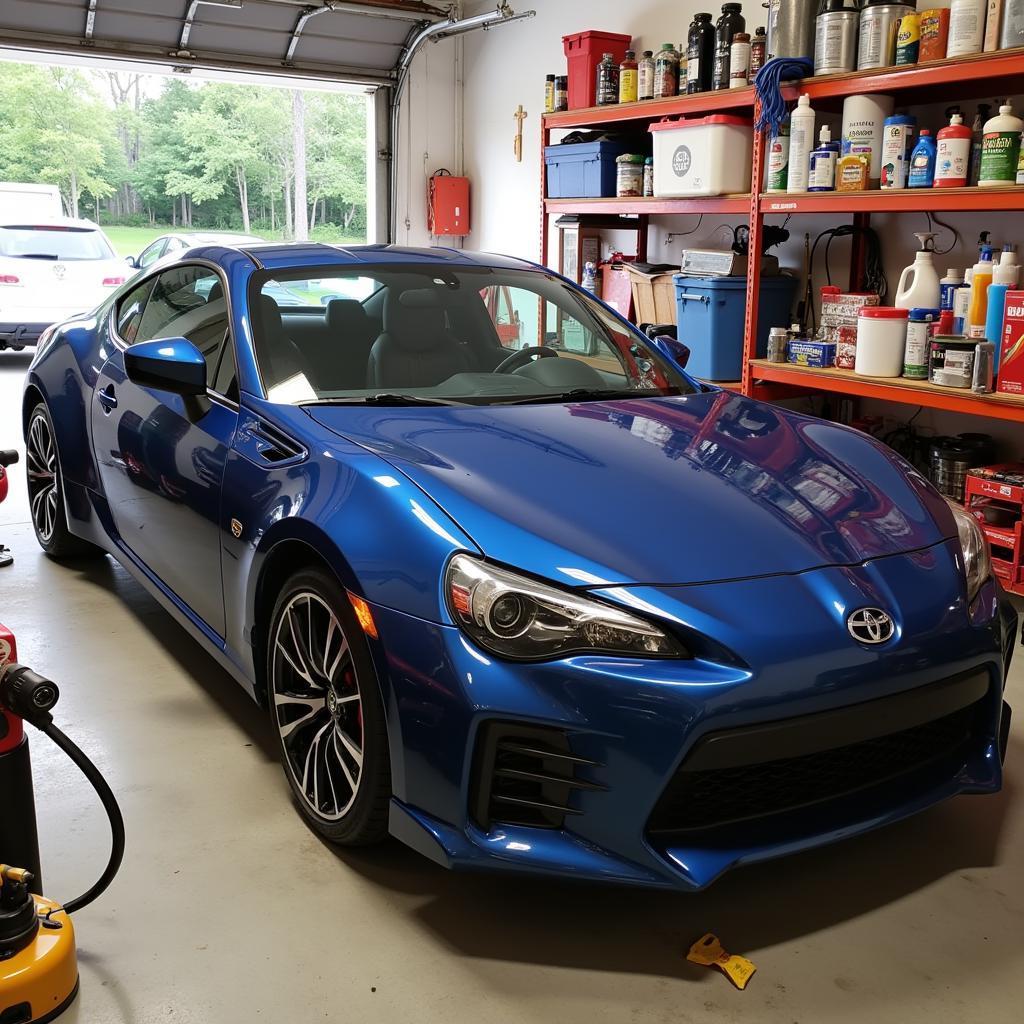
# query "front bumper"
(773, 650)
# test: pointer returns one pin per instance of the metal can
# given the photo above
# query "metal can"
(879, 24)
(562, 92)
(915, 354)
(778, 345)
(983, 381)
(835, 37)
(649, 176)
(629, 179)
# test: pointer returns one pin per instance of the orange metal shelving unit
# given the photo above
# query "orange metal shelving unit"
(977, 76)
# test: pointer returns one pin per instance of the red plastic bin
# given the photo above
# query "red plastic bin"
(583, 51)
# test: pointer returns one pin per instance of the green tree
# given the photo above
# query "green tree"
(337, 153)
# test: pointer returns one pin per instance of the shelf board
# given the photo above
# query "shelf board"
(891, 389)
(903, 200)
(983, 74)
(734, 204)
(653, 110)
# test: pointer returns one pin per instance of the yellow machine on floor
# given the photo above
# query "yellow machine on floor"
(38, 962)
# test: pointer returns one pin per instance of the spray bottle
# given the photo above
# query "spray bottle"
(822, 174)
(1004, 277)
(919, 283)
(978, 309)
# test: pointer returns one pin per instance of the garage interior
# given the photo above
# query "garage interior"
(227, 906)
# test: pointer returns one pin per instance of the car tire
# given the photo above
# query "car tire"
(326, 709)
(46, 491)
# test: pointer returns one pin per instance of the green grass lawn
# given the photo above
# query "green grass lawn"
(131, 241)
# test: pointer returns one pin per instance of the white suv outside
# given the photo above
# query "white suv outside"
(50, 269)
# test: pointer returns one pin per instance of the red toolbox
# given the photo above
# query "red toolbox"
(994, 495)
(583, 51)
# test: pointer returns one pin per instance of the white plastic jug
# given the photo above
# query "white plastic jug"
(919, 283)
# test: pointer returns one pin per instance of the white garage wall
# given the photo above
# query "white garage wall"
(507, 66)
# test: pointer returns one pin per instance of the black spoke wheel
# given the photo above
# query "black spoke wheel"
(327, 712)
(46, 491)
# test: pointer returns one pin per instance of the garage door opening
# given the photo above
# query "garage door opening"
(144, 153)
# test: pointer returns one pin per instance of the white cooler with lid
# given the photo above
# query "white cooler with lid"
(702, 156)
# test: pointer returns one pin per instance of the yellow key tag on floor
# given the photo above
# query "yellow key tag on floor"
(708, 952)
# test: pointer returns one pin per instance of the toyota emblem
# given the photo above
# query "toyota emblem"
(59, 270)
(871, 625)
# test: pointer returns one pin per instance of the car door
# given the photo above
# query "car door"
(161, 456)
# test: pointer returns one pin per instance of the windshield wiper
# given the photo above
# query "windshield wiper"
(594, 394)
(385, 398)
(38, 255)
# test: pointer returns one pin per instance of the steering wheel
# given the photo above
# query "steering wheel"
(523, 356)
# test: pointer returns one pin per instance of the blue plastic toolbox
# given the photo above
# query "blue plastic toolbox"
(709, 314)
(584, 169)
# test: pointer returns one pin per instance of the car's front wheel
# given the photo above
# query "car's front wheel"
(46, 491)
(327, 711)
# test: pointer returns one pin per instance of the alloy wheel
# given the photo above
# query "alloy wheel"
(318, 705)
(42, 477)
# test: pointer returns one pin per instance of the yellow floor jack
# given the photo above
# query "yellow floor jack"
(38, 963)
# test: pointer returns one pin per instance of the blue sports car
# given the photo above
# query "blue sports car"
(528, 600)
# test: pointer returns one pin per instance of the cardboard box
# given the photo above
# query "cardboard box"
(654, 296)
(1011, 357)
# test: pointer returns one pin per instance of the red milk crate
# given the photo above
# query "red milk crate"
(583, 51)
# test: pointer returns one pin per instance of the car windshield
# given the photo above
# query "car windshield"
(435, 334)
(54, 243)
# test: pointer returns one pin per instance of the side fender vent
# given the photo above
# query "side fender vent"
(271, 445)
(525, 775)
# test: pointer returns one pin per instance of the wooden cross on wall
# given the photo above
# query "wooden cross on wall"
(517, 148)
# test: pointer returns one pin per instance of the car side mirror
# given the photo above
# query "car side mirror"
(132, 262)
(674, 351)
(167, 364)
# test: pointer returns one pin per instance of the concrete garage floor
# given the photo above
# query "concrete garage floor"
(227, 909)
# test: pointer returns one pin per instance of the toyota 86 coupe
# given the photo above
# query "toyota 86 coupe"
(528, 600)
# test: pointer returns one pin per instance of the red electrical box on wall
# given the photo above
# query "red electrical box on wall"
(448, 205)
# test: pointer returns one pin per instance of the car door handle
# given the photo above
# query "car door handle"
(107, 398)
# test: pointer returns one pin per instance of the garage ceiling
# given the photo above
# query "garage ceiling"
(327, 39)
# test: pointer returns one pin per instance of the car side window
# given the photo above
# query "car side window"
(188, 302)
(130, 310)
(151, 254)
(225, 378)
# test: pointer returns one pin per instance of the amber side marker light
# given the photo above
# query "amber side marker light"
(362, 610)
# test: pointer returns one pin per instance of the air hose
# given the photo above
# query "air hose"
(30, 696)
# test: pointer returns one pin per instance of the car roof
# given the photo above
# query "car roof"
(293, 255)
(50, 222)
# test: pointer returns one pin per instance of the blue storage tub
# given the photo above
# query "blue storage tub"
(710, 313)
(583, 170)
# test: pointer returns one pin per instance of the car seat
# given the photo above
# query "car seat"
(415, 349)
(279, 357)
(350, 336)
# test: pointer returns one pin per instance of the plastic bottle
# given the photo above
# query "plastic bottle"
(821, 174)
(801, 141)
(993, 24)
(1000, 149)
(908, 39)
(778, 160)
(978, 309)
(700, 53)
(757, 51)
(953, 154)
(898, 134)
(726, 27)
(922, 164)
(919, 282)
(948, 286)
(589, 282)
(549, 94)
(962, 302)
(666, 71)
(607, 91)
(739, 61)
(966, 27)
(645, 76)
(682, 80)
(629, 85)
(977, 137)
(1004, 277)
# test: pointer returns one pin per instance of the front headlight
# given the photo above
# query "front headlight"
(977, 563)
(517, 617)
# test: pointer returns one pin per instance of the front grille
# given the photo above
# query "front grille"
(524, 775)
(702, 797)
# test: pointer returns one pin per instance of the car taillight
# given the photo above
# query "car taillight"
(112, 282)
(9, 279)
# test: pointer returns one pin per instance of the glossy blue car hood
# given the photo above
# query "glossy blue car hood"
(706, 487)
